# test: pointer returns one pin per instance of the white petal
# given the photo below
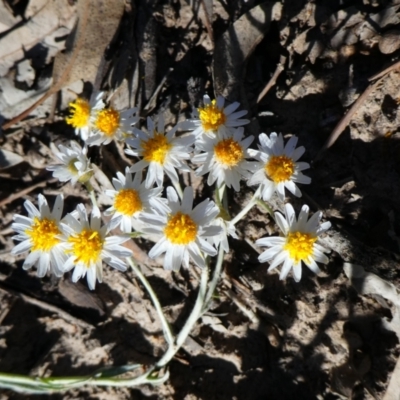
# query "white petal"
(323, 227)
(291, 186)
(159, 248)
(302, 220)
(206, 247)
(313, 223)
(91, 278)
(32, 210)
(290, 146)
(298, 153)
(58, 207)
(297, 272)
(196, 255)
(187, 200)
(282, 223)
(280, 257)
(271, 241)
(269, 254)
(22, 247)
(31, 259)
(290, 215)
(43, 264)
(312, 265)
(287, 266)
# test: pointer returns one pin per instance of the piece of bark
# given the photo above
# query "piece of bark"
(234, 47)
(98, 20)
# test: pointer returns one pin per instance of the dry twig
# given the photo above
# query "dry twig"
(279, 68)
(25, 191)
(341, 126)
(45, 306)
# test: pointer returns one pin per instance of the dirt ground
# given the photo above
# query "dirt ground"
(331, 336)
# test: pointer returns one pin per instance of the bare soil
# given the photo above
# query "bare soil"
(317, 339)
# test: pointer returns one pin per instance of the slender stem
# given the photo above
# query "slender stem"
(215, 278)
(178, 188)
(196, 312)
(220, 191)
(29, 384)
(47, 385)
(92, 195)
(169, 337)
(266, 207)
(221, 201)
(246, 209)
(193, 317)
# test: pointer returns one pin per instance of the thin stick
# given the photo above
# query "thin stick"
(245, 309)
(208, 22)
(48, 307)
(25, 191)
(385, 71)
(340, 127)
(268, 329)
(152, 101)
(279, 68)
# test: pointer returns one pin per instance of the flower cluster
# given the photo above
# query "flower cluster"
(214, 140)
(97, 124)
(59, 245)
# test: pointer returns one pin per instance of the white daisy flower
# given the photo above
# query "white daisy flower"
(183, 230)
(88, 246)
(278, 167)
(75, 164)
(225, 159)
(40, 233)
(82, 112)
(213, 118)
(160, 151)
(132, 198)
(110, 124)
(297, 244)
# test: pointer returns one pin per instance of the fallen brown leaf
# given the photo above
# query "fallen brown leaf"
(97, 22)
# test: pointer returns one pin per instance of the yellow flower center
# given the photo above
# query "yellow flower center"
(300, 245)
(86, 246)
(228, 152)
(181, 229)
(128, 202)
(71, 166)
(156, 148)
(211, 116)
(279, 168)
(108, 121)
(80, 110)
(43, 234)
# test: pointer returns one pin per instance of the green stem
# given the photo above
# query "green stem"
(219, 194)
(92, 195)
(266, 207)
(169, 337)
(178, 189)
(216, 277)
(193, 317)
(27, 384)
(247, 208)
